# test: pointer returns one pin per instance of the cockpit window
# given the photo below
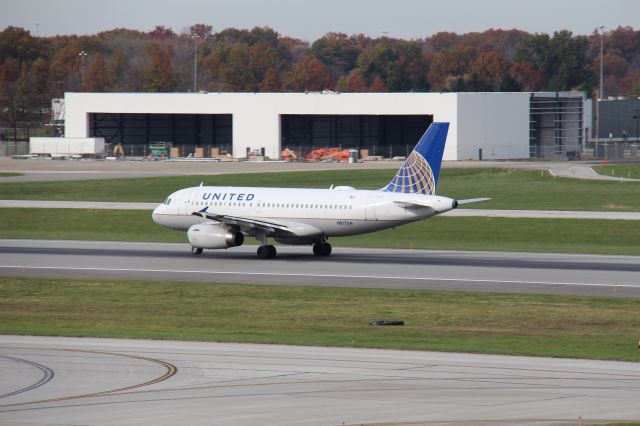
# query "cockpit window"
(167, 201)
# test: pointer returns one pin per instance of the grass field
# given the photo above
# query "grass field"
(9, 174)
(580, 327)
(620, 170)
(509, 189)
(453, 233)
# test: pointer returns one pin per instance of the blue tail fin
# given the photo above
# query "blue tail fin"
(419, 173)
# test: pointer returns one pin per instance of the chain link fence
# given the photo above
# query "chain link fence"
(10, 148)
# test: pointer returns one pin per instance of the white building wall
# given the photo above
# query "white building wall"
(496, 122)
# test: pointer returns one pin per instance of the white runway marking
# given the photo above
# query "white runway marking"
(306, 275)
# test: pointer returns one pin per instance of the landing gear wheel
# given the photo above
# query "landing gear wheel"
(196, 250)
(267, 252)
(322, 249)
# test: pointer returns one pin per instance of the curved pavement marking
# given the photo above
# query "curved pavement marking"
(47, 375)
(171, 371)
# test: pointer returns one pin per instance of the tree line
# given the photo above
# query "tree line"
(33, 70)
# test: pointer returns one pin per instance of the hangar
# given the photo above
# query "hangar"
(483, 125)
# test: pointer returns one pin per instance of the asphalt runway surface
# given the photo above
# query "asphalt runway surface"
(598, 275)
(63, 381)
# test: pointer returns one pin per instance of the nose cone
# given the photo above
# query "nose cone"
(156, 215)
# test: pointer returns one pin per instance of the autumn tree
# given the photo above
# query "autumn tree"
(65, 70)
(18, 44)
(117, 69)
(352, 83)
(489, 70)
(621, 59)
(338, 52)
(309, 75)
(400, 65)
(35, 69)
(451, 67)
(159, 74)
(442, 40)
(161, 33)
(271, 81)
(527, 77)
(96, 77)
(202, 31)
(17, 102)
(635, 89)
(378, 85)
(562, 60)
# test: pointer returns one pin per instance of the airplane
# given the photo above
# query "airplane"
(221, 217)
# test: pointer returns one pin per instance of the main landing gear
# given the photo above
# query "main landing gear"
(267, 252)
(322, 249)
(196, 250)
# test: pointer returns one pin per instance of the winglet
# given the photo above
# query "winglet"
(419, 173)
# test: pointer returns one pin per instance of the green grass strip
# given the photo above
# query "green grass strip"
(559, 326)
(451, 233)
(9, 174)
(510, 189)
(631, 171)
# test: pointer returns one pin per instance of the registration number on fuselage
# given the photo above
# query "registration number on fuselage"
(344, 223)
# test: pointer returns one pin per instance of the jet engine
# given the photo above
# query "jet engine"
(214, 236)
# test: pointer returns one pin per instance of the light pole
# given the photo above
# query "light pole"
(600, 89)
(83, 56)
(637, 118)
(601, 28)
(195, 38)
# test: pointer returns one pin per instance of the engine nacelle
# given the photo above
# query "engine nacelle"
(214, 236)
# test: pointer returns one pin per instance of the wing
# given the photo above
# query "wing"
(245, 223)
(248, 224)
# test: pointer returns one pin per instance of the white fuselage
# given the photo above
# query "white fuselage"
(310, 212)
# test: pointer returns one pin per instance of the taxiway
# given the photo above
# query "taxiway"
(54, 380)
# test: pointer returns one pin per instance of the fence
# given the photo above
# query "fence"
(10, 148)
(613, 150)
(604, 150)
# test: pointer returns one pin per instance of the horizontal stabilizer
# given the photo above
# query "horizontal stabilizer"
(473, 200)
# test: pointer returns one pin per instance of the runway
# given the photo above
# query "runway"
(53, 380)
(617, 276)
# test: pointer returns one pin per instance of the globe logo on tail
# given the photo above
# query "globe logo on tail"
(415, 176)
